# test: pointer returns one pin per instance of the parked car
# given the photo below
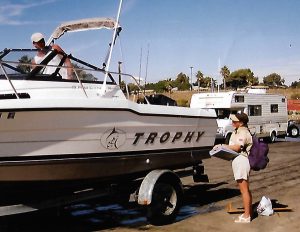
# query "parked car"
(293, 129)
(160, 99)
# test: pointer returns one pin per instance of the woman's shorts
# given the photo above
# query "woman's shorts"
(241, 168)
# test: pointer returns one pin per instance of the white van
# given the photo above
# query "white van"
(267, 113)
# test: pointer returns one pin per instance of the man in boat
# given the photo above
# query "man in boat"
(38, 41)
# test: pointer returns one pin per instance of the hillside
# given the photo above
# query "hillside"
(186, 95)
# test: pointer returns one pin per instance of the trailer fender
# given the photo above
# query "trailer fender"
(147, 186)
(273, 130)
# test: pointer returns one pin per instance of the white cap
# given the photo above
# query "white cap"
(234, 118)
(36, 37)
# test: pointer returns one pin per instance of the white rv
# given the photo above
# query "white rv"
(267, 113)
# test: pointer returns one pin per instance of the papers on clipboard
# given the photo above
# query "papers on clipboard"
(223, 153)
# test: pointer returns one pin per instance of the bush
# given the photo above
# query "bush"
(182, 102)
(295, 96)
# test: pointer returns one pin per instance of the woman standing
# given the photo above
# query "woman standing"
(241, 142)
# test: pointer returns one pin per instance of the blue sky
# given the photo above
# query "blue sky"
(263, 35)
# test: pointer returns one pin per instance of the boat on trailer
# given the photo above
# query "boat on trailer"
(57, 133)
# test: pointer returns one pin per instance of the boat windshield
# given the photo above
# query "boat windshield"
(18, 64)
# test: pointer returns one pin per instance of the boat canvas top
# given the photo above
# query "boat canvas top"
(83, 25)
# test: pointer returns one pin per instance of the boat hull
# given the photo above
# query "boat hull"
(81, 167)
(75, 144)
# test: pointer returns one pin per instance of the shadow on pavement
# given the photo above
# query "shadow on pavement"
(207, 193)
(103, 213)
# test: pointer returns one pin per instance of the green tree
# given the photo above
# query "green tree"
(161, 86)
(82, 74)
(295, 84)
(182, 82)
(208, 82)
(295, 96)
(254, 81)
(273, 79)
(133, 88)
(123, 86)
(25, 65)
(241, 78)
(199, 77)
(205, 83)
(225, 72)
(150, 86)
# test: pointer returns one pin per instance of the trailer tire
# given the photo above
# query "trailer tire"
(293, 131)
(272, 138)
(165, 204)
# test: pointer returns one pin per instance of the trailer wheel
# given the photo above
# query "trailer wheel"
(272, 137)
(165, 203)
(293, 131)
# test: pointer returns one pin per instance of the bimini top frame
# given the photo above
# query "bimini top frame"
(83, 25)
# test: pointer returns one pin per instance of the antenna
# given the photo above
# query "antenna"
(103, 89)
(140, 71)
(219, 74)
(146, 74)
(191, 77)
(141, 56)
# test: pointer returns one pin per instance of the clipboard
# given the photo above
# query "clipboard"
(223, 153)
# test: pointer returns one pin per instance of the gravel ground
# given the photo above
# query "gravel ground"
(204, 207)
(279, 181)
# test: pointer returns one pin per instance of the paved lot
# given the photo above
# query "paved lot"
(204, 206)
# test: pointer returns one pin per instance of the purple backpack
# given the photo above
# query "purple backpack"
(258, 156)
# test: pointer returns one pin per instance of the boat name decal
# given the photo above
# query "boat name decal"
(178, 136)
(89, 87)
(113, 139)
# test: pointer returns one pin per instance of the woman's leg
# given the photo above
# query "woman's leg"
(246, 196)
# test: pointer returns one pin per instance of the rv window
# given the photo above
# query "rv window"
(274, 108)
(254, 110)
(239, 98)
(282, 99)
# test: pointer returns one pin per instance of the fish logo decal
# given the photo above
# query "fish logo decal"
(113, 139)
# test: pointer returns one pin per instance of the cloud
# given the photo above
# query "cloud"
(9, 12)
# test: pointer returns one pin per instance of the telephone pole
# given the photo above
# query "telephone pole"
(191, 77)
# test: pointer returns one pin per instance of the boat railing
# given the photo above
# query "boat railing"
(81, 75)
(136, 82)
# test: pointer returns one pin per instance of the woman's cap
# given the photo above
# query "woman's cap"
(242, 117)
(36, 37)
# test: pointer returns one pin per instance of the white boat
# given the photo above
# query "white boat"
(56, 131)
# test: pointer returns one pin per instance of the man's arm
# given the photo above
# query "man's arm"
(67, 61)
